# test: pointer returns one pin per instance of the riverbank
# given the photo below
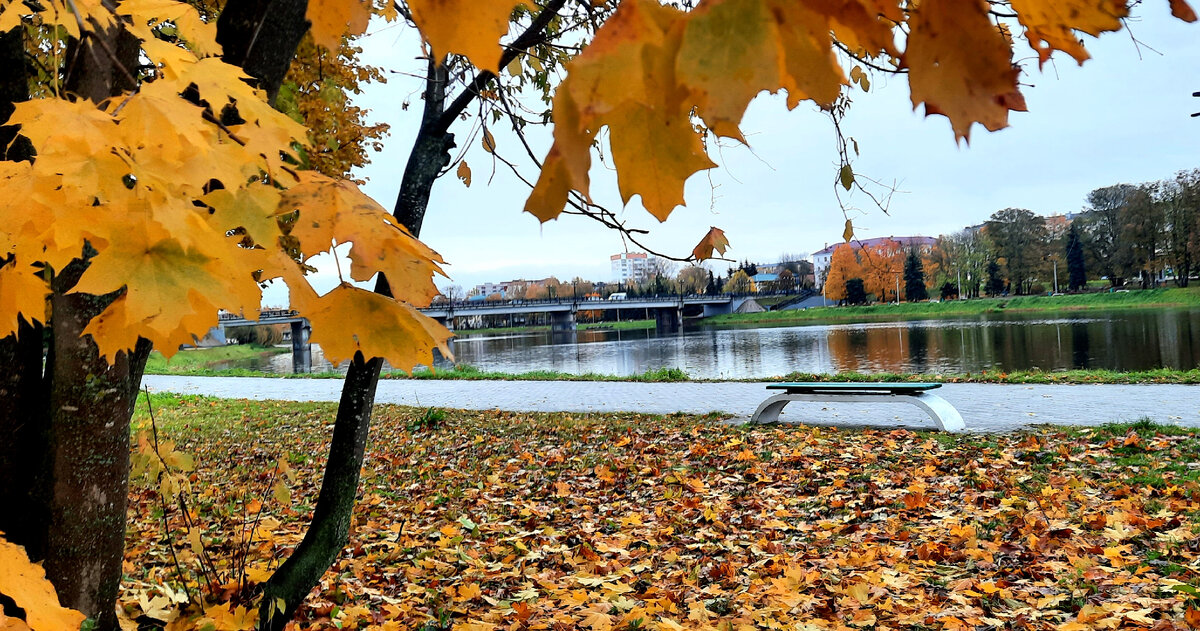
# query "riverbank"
(211, 361)
(670, 375)
(1134, 299)
(617, 515)
(626, 325)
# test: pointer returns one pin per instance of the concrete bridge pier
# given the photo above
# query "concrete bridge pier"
(711, 310)
(301, 349)
(562, 321)
(446, 321)
(668, 319)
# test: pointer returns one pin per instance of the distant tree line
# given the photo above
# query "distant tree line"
(1145, 233)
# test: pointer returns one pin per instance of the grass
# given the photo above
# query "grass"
(637, 521)
(471, 373)
(1141, 299)
(206, 360)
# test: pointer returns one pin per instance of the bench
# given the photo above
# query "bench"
(917, 394)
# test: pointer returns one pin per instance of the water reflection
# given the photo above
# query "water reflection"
(1127, 340)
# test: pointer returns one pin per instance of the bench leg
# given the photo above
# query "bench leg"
(940, 409)
(768, 411)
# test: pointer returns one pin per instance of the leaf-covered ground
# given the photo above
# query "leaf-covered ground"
(554, 521)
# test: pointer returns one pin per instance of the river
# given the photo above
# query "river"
(1119, 340)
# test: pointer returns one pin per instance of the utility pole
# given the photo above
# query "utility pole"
(960, 291)
(1056, 276)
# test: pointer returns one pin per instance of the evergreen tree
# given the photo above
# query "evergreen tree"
(712, 289)
(856, 292)
(914, 277)
(995, 284)
(949, 290)
(1076, 271)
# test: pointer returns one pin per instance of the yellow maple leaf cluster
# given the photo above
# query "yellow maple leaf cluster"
(178, 195)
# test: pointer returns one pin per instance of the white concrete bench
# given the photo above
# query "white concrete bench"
(947, 418)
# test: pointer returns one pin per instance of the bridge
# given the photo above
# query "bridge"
(668, 315)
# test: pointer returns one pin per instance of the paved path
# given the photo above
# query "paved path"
(984, 407)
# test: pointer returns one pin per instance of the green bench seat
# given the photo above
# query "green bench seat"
(918, 394)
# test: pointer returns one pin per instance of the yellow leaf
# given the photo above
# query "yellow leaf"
(655, 152)
(468, 27)
(337, 211)
(253, 208)
(566, 166)
(846, 176)
(1051, 24)
(848, 233)
(488, 141)
(960, 65)
(282, 493)
(809, 68)
(22, 293)
(25, 583)
(331, 19)
(169, 285)
(713, 240)
(12, 624)
(349, 320)
(728, 55)
(464, 173)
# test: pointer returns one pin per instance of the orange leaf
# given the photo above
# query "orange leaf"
(22, 292)
(348, 320)
(713, 240)
(26, 584)
(464, 173)
(1183, 11)
(1051, 24)
(979, 86)
(331, 19)
(468, 27)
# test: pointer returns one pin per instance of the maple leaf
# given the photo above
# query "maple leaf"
(464, 173)
(977, 88)
(25, 583)
(22, 292)
(336, 211)
(1051, 24)
(348, 320)
(445, 24)
(331, 19)
(169, 284)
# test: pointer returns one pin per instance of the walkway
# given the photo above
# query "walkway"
(985, 407)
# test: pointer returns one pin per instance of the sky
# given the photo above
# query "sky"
(1121, 117)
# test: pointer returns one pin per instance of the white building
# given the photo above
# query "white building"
(630, 266)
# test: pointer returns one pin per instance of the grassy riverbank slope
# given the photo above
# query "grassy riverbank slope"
(208, 361)
(497, 520)
(1139, 299)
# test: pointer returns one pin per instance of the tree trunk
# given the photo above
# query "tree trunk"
(329, 531)
(261, 36)
(22, 409)
(330, 528)
(90, 403)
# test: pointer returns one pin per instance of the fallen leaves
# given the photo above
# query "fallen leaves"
(515, 521)
(25, 584)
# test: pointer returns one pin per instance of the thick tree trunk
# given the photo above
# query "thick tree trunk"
(90, 404)
(22, 396)
(261, 37)
(330, 528)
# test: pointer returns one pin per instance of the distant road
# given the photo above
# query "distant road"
(984, 407)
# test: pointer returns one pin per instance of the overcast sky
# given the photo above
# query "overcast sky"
(1122, 117)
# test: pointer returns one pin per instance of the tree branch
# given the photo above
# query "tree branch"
(532, 35)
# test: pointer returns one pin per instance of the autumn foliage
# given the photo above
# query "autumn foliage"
(183, 194)
(494, 520)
